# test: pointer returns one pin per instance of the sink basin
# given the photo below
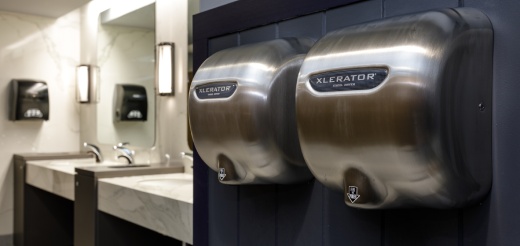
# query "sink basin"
(84, 162)
(165, 182)
(170, 182)
(65, 164)
(129, 166)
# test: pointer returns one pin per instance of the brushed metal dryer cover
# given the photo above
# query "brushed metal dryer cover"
(241, 110)
(419, 137)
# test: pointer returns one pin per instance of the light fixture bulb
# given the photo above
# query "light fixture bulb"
(165, 69)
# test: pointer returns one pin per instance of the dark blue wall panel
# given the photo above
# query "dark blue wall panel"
(343, 225)
(222, 212)
(222, 199)
(497, 222)
(310, 26)
(259, 34)
(201, 197)
(400, 7)
(297, 219)
(224, 42)
(426, 227)
(353, 14)
(257, 215)
(310, 214)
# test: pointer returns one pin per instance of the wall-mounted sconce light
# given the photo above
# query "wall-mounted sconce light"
(87, 84)
(164, 69)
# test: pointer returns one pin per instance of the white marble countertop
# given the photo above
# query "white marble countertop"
(55, 176)
(162, 203)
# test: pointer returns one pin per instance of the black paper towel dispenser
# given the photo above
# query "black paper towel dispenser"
(241, 109)
(397, 113)
(130, 103)
(29, 100)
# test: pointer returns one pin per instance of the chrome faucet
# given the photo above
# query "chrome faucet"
(187, 155)
(125, 152)
(93, 149)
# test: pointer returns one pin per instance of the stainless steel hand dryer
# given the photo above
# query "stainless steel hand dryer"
(241, 111)
(397, 113)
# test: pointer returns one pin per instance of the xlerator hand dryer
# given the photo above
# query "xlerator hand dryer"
(241, 109)
(397, 113)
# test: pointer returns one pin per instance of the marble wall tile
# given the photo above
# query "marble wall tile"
(47, 49)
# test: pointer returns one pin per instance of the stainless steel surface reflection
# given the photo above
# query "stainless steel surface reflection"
(420, 138)
(241, 110)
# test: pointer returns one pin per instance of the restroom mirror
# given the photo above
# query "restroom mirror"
(126, 55)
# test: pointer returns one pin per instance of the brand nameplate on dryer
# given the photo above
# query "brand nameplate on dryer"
(216, 90)
(348, 80)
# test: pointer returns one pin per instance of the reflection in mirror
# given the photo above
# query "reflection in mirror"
(126, 55)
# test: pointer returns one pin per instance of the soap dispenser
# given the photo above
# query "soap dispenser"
(29, 100)
(130, 102)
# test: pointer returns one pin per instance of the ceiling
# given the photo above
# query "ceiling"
(48, 8)
(56, 8)
(143, 17)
